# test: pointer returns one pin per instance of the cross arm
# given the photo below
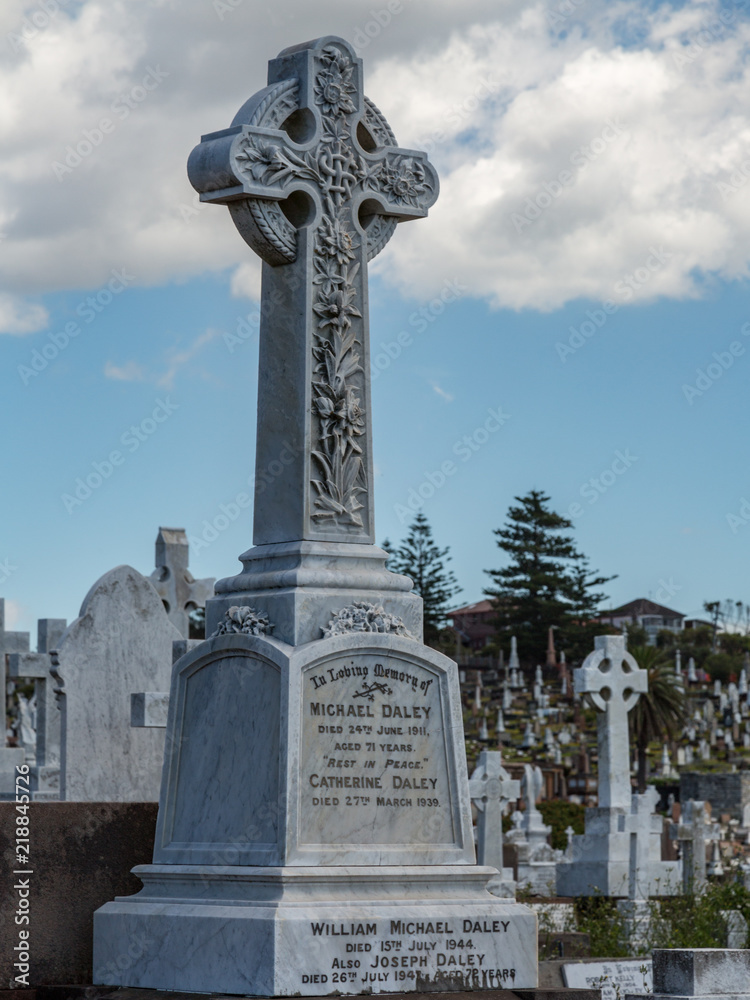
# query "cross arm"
(34, 665)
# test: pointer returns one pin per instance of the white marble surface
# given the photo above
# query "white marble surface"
(120, 644)
(315, 931)
(348, 750)
(598, 861)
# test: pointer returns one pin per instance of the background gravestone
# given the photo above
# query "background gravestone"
(10, 757)
(178, 589)
(45, 772)
(119, 645)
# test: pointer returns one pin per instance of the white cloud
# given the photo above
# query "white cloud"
(443, 393)
(504, 98)
(19, 318)
(131, 371)
(15, 615)
(179, 358)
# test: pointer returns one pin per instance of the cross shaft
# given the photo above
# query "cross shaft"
(613, 683)
(315, 184)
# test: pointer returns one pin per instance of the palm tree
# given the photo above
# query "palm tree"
(659, 714)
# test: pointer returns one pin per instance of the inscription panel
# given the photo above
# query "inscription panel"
(375, 764)
(421, 948)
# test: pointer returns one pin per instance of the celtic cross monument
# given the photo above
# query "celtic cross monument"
(315, 184)
(619, 854)
(314, 833)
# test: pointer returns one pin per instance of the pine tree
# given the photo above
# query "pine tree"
(547, 583)
(419, 558)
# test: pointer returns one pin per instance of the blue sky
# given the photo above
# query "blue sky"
(594, 404)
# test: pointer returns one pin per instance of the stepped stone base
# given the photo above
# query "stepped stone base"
(315, 931)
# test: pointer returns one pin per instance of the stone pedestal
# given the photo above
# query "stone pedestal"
(318, 931)
(598, 861)
(346, 754)
(302, 585)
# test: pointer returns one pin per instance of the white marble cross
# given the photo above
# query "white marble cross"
(10, 642)
(491, 789)
(46, 774)
(10, 757)
(640, 826)
(693, 832)
(315, 183)
(613, 683)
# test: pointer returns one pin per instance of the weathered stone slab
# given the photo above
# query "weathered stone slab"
(344, 751)
(121, 644)
(613, 978)
(339, 929)
(699, 972)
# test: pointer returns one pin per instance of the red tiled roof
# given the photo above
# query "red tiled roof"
(473, 609)
(642, 606)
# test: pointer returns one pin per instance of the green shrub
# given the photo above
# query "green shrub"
(695, 921)
(560, 815)
(599, 917)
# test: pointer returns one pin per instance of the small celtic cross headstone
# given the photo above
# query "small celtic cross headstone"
(316, 184)
(613, 683)
(491, 789)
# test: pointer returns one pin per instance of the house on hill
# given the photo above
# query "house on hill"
(650, 616)
(474, 624)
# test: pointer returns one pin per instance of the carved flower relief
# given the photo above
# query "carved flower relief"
(350, 420)
(335, 241)
(403, 181)
(260, 159)
(337, 308)
(333, 85)
(344, 415)
(270, 163)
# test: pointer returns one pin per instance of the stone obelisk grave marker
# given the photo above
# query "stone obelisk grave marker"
(314, 833)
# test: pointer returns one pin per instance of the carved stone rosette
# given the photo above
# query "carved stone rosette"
(244, 620)
(361, 616)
